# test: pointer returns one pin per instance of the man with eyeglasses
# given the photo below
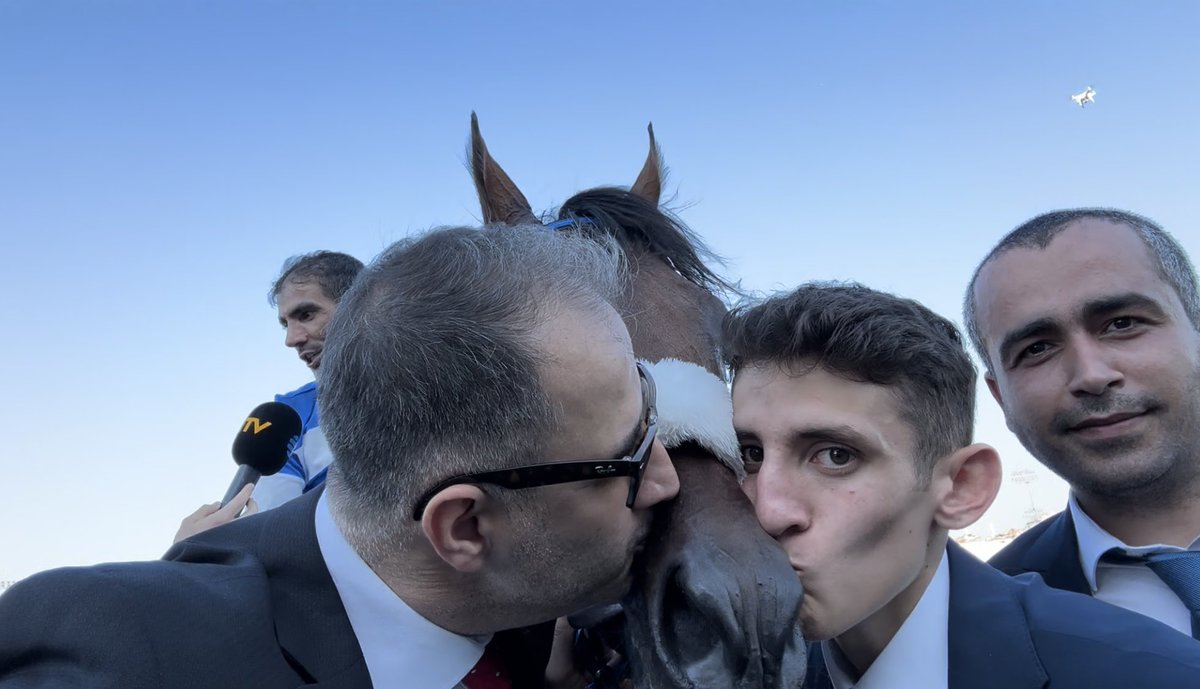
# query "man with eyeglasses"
(496, 459)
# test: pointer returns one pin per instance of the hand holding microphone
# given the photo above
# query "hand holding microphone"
(213, 514)
(261, 448)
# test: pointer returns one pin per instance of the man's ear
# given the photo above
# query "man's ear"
(969, 480)
(456, 525)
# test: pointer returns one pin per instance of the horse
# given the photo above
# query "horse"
(715, 602)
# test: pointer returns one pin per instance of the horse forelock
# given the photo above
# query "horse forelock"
(640, 227)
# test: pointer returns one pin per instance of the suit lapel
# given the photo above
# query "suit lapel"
(310, 622)
(990, 644)
(1055, 555)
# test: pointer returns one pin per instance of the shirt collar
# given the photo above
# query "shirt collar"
(1094, 542)
(925, 634)
(400, 647)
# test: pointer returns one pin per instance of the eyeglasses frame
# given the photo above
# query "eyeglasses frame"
(554, 473)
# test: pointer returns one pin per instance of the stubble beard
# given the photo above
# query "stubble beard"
(571, 577)
(1150, 471)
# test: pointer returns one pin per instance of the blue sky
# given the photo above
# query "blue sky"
(158, 161)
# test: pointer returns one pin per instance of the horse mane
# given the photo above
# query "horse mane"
(639, 224)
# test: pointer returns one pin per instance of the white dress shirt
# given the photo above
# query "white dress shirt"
(401, 648)
(917, 657)
(1131, 586)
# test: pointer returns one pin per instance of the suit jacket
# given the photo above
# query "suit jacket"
(249, 604)
(1018, 633)
(1051, 549)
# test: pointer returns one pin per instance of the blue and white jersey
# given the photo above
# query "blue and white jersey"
(308, 461)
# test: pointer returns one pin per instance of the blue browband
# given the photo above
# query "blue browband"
(569, 222)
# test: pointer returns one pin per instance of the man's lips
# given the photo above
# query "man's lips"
(312, 359)
(1109, 421)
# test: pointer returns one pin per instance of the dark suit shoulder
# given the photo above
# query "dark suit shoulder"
(61, 627)
(1010, 559)
(1083, 642)
(137, 624)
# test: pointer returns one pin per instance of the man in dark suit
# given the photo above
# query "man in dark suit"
(461, 368)
(855, 413)
(1087, 322)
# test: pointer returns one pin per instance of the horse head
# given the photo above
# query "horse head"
(716, 602)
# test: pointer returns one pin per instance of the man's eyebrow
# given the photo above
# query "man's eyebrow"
(1129, 300)
(1096, 308)
(839, 433)
(1039, 327)
(300, 308)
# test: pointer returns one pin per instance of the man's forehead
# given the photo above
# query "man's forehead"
(294, 293)
(813, 397)
(571, 335)
(1090, 259)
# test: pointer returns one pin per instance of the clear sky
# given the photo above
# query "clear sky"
(159, 160)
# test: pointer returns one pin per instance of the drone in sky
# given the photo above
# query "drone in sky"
(1082, 99)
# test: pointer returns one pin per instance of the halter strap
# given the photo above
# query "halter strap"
(568, 222)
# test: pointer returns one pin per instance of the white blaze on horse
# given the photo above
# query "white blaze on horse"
(1087, 96)
(716, 602)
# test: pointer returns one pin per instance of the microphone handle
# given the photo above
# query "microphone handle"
(245, 475)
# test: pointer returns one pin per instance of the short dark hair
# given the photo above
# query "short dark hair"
(432, 364)
(867, 336)
(331, 270)
(1169, 258)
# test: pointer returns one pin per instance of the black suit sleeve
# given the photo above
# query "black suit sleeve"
(73, 628)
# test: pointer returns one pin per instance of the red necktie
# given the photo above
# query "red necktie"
(488, 673)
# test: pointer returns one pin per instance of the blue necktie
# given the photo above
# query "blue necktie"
(1181, 572)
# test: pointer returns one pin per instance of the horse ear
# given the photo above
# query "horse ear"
(649, 180)
(500, 199)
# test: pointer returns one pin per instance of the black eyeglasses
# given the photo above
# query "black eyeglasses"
(534, 475)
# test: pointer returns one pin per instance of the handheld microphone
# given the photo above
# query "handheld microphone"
(262, 445)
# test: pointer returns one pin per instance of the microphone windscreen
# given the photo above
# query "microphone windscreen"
(266, 437)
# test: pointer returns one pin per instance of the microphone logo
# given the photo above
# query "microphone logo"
(255, 425)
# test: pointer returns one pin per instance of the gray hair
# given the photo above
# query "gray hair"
(331, 270)
(432, 364)
(1169, 258)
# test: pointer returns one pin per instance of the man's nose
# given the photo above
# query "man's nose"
(778, 505)
(295, 335)
(660, 482)
(1092, 372)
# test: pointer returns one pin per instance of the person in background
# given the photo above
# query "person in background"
(1086, 321)
(305, 295)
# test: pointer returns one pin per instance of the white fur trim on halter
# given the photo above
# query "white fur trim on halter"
(694, 405)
